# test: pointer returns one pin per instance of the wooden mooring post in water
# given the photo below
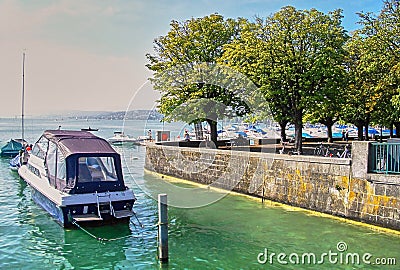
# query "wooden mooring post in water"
(162, 228)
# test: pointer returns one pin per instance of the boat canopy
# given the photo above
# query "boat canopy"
(78, 142)
(12, 148)
(79, 162)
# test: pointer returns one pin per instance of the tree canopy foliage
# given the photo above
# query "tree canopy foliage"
(295, 57)
(372, 64)
(303, 62)
(188, 47)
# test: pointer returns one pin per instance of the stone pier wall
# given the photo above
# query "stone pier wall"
(341, 187)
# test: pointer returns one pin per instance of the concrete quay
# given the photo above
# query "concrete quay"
(337, 186)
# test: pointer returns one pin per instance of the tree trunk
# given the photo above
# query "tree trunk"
(283, 124)
(366, 124)
(391, 130)
(329, 123)
(397, 126)
(298, 126)
(359, 131)
(298, 137)
(330, 136)
(213, 131)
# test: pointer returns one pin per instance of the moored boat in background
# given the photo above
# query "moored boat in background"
(12, 148)
(89, 129)
(121, 138)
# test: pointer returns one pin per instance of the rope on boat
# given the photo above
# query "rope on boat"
(101, 239)
(141, 225)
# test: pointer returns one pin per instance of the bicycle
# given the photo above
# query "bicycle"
(329, 152)
(346, 152)
(319, 150)
(323, 151)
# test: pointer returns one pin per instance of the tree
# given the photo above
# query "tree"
(372, 63)
(382, 36)
(192, 87)
(295, 57)
(360, 101)
(248, 54)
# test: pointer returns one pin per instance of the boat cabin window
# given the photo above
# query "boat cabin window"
(56, 166)
(95, 169)
(61, 166)
(40, 148)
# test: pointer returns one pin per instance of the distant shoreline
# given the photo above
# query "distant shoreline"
(99, 115)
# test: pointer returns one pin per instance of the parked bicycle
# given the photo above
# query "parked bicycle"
(329, 152)
(323, 151)
(346, 152)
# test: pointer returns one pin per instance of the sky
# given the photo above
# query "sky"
(90, 55)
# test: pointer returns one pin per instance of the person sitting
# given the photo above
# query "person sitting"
(241, 141)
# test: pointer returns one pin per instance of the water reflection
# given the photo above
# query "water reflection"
(228, 234)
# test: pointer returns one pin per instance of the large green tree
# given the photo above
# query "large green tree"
(249, 55)
(192, 87)
(296, 58)
(382, 35)
(373, 61)
(360, 101)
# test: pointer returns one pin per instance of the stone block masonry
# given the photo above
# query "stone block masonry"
(340, 187)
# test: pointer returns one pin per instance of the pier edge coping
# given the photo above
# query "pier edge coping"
(262, 155)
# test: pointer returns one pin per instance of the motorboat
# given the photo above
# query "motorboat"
(121, 138)
(89, 129)
(12, 148)
(77, 178)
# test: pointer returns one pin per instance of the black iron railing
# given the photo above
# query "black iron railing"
(384, 158)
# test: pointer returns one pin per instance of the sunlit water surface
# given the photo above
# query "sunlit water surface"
(233, 233)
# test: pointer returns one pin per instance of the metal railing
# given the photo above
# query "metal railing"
(384, 158)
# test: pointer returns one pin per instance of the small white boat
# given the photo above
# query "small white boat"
(120, 138)
(77, 178)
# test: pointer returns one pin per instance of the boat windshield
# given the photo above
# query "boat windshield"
(95, 169)
(40, 148)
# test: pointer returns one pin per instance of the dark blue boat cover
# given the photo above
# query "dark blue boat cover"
(12, 147)
(78, 142)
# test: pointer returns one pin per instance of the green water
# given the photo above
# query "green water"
(227, 234)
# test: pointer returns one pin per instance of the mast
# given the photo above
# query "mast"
(23, 97)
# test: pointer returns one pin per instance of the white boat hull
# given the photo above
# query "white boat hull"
(64, 207)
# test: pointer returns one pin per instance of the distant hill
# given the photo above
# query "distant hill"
(120, 115)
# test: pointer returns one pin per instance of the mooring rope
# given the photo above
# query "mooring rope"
(140, 223)
(101, 239)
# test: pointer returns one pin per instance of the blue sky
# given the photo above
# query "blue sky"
(90, 55)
